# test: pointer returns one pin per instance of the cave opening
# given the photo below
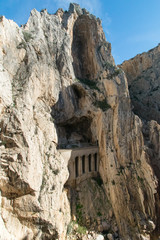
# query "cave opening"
(75, 133)
(74, 130)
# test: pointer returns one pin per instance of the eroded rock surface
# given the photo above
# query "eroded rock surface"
(142, 74)
(60, 85)
(143, 77)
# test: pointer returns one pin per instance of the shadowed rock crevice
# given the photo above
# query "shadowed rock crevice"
(75, 132)
(84, 48)
(73, 125)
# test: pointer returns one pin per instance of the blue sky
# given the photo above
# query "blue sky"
(132, 26)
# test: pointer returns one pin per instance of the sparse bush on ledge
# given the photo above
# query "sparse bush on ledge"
(113, 69)
(27, 36)
(102, 105)
(113, 182)
(74, 227)
(115, 73)
(22, 45)
(89, 83)
(109, 66)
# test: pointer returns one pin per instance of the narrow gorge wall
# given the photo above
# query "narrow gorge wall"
(60, 85)
(142, 74)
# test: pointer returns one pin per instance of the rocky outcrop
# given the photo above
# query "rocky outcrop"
(60, 85)
(143, 73)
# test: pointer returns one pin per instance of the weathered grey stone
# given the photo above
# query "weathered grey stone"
(143, 73)
(74, 7)
(106, 226)
(99, 237)
(110, 236)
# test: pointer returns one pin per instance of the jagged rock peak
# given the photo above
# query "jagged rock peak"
(78, 31)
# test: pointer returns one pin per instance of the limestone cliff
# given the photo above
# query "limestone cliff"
(143, 74)
(59, 86)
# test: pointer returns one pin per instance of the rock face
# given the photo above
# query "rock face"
(143, 77)
(60, 85)
(143, 74)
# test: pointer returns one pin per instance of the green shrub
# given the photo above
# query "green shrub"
(56, 171)
(27, 36)
(115, 73)
(70, 228)
(140, 179)
(81, 229)
(113, 182)
(113, 69)
(3, 143)
(98, 180)
(120, 170)
(89, 83)
(22, 45)
(79, 213)
(43, 183)
(109, 66)
(102, 105)
(99, 214)
(1, 18)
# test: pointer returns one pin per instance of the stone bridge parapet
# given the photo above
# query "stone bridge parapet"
(83, 163)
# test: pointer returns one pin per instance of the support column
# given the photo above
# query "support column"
(89, 163)
(80, 165)
(92, 162)
(97, 162)
(72, 166)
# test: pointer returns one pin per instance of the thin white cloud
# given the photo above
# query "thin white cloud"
(116, 57)
(106, 22)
